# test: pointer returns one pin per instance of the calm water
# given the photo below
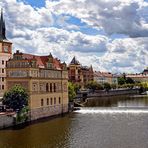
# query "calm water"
(91, 127)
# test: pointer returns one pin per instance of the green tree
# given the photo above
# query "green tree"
(76, 87)
(121, 81)
(107, 86)
(93, 85)
(71, 91)
(129, 81)
(16, 98)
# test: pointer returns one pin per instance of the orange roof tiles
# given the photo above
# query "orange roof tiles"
(42, 60)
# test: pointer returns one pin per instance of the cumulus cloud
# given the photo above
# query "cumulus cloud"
(124, 17)
(44, 30)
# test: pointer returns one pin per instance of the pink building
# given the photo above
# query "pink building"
(5, 54)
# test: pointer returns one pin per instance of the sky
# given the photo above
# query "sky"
(110, 35)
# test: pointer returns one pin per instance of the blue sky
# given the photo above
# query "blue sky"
(110, 35)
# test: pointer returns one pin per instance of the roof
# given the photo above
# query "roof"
(137, 76)
(2, 28)
(75, 61)
(103, 74)
(41, 61)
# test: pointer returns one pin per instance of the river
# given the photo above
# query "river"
(123, 124)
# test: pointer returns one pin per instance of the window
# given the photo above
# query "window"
(47, 87)
(50, 101)
(2, 79)
(54, 87)
(50, 87)
(2, 70)
(59, 100)
(42, 102)
(54, 100)
(3, 87)
(47, 101)
(3, 62)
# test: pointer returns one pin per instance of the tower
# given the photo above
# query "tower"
(5, 54)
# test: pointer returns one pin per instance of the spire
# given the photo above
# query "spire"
(2, 27)
(75, 61)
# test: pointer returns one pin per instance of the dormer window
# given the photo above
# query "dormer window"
(49, 65)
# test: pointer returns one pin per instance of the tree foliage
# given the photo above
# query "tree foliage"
(121, 81)
(71, 91)
(107, 86)
(16, 98)
(94, 85)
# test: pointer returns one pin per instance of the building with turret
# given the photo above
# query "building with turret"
(79, 74)
(45, 79)
(5, 54)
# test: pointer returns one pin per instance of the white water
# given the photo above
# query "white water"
(112, 111)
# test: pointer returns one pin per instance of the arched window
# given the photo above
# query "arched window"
(54, 87)
(50, 87)
(59, 100)
(47, 87)
(42, 102)
(47, 101)
(50, 101)
(54, 100)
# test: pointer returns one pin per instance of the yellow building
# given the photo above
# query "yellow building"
(45, 79)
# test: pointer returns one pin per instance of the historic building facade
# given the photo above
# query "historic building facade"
(79, 74)
(5, 54)
(45, 78)
(105, 77)
(138, 77)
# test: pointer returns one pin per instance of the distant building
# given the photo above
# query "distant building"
(45, 78)
(79, 74)
(105, 77)
(138, 77)
(145, 71)
(5, 54)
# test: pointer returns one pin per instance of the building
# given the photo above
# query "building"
(79, 74)
(138, 77)
(145, 71)
(5, 54)
(105, 77)
(45, 78)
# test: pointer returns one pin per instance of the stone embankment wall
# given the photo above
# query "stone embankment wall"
(6, 120)
(48, 111)
(113, 93)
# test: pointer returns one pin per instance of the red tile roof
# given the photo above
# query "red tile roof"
(42, 60)
(103, 74)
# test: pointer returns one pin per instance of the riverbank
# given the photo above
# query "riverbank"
(116, 92)
(8, 120)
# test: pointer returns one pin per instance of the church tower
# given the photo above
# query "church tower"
(5, 54)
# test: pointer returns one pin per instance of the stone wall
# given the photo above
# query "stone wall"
(48, 111)
(6, 120)
(114, 93)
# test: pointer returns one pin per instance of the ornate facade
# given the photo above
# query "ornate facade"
(45, 78)
(5, 54)
(79, 74)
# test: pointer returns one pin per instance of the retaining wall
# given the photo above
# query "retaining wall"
(6, 120)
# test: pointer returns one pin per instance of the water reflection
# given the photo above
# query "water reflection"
(125, 101)
(117, 126)
(52, 133)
